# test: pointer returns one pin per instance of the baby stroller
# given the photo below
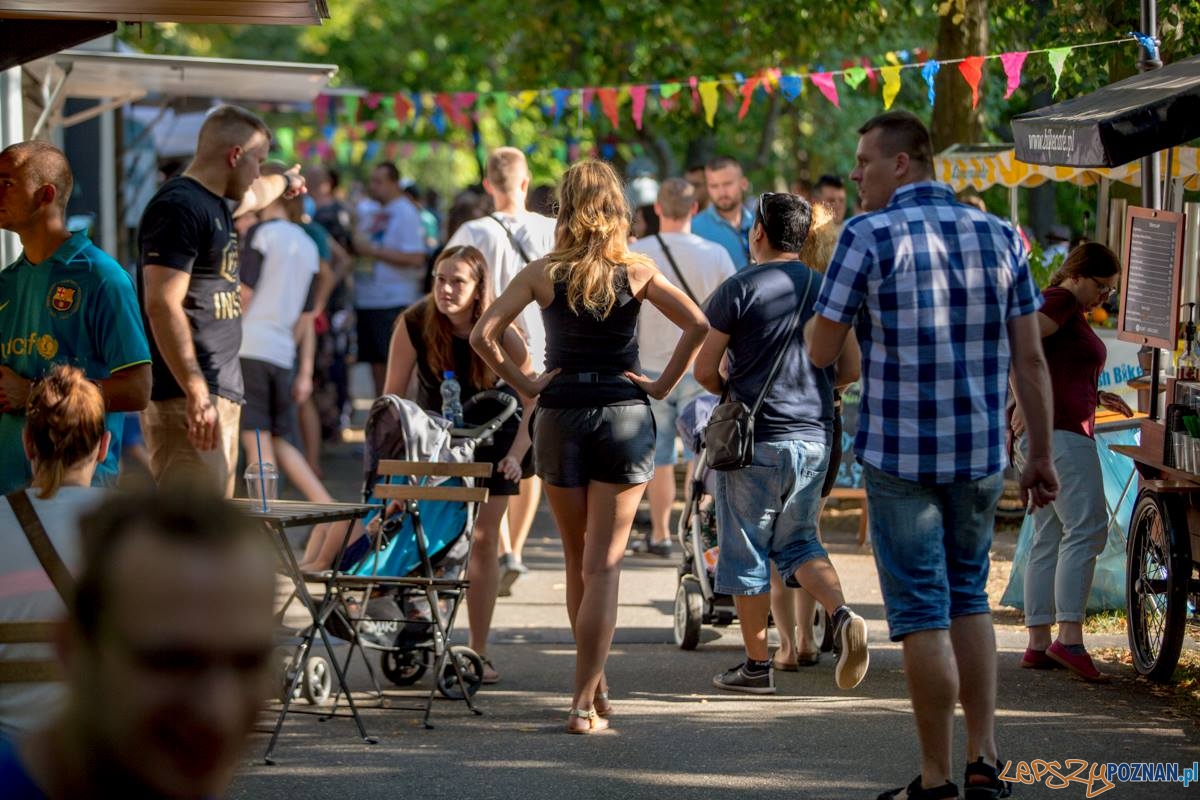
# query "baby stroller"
(696, 601)
(400, 586)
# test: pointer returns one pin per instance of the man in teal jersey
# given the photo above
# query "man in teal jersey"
(62, 301)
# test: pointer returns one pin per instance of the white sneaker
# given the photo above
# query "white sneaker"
(850, 644)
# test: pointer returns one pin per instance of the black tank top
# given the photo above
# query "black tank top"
(582, 343)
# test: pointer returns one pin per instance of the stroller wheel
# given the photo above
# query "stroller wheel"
(288, 674)
(403, 667)
(822, 628)
(472, 671)
(689, 608)
(318, 680)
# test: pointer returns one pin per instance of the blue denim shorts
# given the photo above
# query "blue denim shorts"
(666, 411)
(932, 544)
(767, 512)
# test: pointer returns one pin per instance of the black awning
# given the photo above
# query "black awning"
(1112, 126)
(24, 40)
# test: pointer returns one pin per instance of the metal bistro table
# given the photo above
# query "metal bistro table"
(281, 515)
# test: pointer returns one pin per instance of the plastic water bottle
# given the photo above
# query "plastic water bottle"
(452, 399)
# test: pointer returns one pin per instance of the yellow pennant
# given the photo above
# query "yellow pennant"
(891, 85)
(708, 96)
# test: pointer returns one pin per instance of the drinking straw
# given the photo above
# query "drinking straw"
(262, 479)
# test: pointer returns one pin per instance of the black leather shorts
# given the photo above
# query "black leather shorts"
(610, 444)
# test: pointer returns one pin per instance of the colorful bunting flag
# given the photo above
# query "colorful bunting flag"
(971, 68)
(824, 82)
(1012, 70)
(929, 73)
(1058, 57)
(708, 96)
(637, 95)
(526, 98)
(560, 101)
(891, 85)
(854, 76)
(791, 86)
(321, 107)
(1147, 42)
(747, 90)
(608, 104)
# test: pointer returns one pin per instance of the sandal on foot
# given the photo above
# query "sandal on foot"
(490, 675)
(596, 723)
(602, 705)
(808, 659)
(914, 791)
(981, 781)
(784, 666)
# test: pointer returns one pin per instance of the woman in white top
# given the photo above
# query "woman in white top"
(64, 440)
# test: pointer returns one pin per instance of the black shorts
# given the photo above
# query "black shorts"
(269, 406)
(610, 444)
(375, 332)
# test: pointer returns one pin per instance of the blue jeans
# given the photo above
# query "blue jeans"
(932, 545)
(767, 512)
(666, 411)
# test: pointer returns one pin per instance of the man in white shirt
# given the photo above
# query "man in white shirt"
(510, 238)
(697, 266)
(393, 238)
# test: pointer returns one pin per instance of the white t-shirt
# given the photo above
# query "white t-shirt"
(279, 264)
(705, 266)
(536, 235)
(396, 226)
(26, 594)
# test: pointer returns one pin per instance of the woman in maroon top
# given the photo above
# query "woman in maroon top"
(1070, 532)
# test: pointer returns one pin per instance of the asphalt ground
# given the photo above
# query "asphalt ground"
(674, 735)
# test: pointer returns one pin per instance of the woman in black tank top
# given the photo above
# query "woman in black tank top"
(431, 338)
(593, 434)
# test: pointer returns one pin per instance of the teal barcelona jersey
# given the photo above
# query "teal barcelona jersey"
(77, 307)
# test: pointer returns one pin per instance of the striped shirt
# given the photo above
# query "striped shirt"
(929, 285)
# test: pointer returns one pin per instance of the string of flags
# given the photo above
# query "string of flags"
(362, 125)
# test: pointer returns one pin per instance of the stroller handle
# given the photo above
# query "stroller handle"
(480, 432)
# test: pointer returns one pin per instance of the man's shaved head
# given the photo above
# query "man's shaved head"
(226, 127)
(45, 164)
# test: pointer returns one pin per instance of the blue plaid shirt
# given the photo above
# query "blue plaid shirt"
(930, 285)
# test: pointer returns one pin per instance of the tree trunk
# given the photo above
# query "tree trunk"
(954, 121)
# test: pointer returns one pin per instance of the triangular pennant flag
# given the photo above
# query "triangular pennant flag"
(747, 94)
(585, 101)
(372, 151)
(608, 104)
(418, 106)
(866, 64)
(1012, 69)
(463, 101)
(370, 126)
(667, 90)
(372, 100)
(1058, 57)
(708, 96)
(388, 104)
(438, 119)
(694, 82)
(357, 151)
(285, 138)
(560, 101)
(891, 85)
(824, 82)
(791, 86)
(971, 68)
(1148, 43)
(637, 94)
(770, 78)
(892, 58)
(321, 107)
(854, 76)
(929, 73)
(350, 109)
(526, 98)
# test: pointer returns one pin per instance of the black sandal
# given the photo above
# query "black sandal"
(991, 787)
(914, 791)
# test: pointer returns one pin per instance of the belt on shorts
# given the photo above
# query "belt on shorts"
(590, 377)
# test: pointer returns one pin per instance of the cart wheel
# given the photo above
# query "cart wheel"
(1157, 573)
(822, 628)
(472, 669)
(404, 667)
(689, 608)
(318, 680)
(288, 673)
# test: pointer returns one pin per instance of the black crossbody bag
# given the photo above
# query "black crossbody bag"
(729, 434)
(678, 273)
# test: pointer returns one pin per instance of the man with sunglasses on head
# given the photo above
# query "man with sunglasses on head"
(768, 511)
(941, 300)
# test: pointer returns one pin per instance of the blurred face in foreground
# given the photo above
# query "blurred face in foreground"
(167, 692)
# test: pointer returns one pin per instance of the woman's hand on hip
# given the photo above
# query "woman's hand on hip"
(655, 388)
(538, 383)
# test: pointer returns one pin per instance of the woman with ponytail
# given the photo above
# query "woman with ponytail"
(64, 440)
(593, 433)
(1070, 533)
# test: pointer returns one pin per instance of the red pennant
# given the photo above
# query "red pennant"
(372, 99)
(637, 94)
(585, 100)
(747, 90)
(403, 107)
(971, 68)
(608, 103)
(462, 102)
(321, 107)
(872, 80)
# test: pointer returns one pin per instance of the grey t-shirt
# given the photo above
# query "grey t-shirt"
(754, 308)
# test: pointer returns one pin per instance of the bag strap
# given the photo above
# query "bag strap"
(512, 238)
(762, 395)
(43, 548)
(678, 274)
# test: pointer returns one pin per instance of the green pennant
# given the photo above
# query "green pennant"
(350, 109)
(854, 76)
(388, 104)
(1058, 57)
(669, 89)
(285, 139)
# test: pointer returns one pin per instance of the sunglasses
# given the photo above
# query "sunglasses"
(762, 207)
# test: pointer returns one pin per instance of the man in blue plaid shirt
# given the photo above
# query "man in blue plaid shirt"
(941, 299)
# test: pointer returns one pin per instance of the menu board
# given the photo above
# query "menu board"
(1153, 262)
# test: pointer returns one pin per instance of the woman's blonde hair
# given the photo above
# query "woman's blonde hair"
(592, 238)
(818, 247)
(64, 423)
(435, 327)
